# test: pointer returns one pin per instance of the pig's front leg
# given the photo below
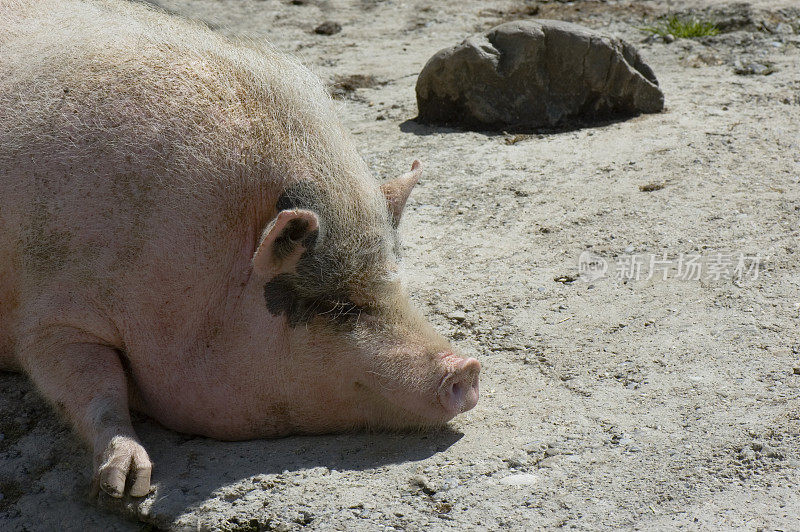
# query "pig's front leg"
(87, 382)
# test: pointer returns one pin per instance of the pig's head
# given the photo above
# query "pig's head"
(329, 266)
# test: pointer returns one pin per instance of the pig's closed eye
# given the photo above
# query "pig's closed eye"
(339, 310)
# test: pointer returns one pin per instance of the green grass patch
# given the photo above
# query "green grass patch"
(682, 27)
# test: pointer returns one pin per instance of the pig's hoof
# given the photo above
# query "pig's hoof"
(124, 460)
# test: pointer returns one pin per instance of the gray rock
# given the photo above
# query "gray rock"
(533, 74)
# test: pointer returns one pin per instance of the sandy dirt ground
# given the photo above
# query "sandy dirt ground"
(663, 401)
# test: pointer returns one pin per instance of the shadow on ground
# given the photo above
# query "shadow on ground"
(187, 470)
(422, 129)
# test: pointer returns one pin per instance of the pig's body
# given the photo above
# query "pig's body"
(184, 223)
(118, 232)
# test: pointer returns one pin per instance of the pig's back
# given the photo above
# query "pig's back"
(85, 159)
(131, 138)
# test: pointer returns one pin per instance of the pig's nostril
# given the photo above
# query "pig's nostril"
(461, 392)
(457, 391)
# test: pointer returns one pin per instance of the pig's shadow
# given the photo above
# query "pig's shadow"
(47, 473)
(189, 470)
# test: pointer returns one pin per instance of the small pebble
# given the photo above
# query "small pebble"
(549, 462)
(524, 479)
(517, 460)
(669, 38)
(328, 28)
(770, 452)
(458, 316)
(304, 518)
(532, 448)
(752, 69)
(423, 483)
(449, 483)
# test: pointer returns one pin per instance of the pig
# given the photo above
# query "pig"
(187, 231)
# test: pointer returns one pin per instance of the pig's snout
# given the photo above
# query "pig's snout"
(459, 389)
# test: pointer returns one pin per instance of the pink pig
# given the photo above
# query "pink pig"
(187, 230)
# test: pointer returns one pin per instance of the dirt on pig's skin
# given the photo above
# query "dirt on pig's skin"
(620, 403)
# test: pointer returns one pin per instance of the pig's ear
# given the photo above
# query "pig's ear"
(397, 191)
(284, 241)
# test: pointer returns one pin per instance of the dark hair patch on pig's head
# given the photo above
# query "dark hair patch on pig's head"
(349, 257)
(280, 296)
(283, 299)
(292, 198)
